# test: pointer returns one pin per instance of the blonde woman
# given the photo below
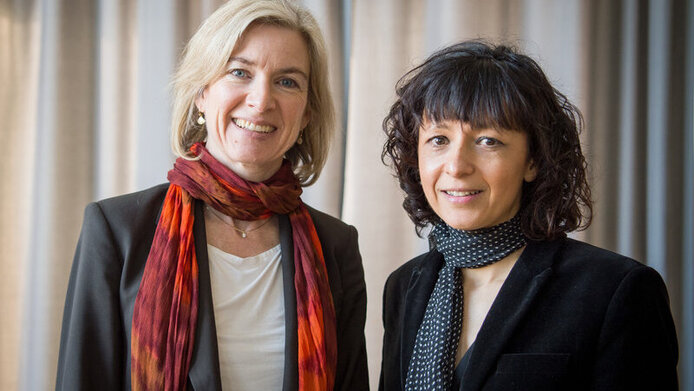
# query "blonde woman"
(223, 278)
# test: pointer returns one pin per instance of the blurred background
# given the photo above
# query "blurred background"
(84, 103)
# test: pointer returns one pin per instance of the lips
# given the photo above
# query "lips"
(461, 193)
(252, 126)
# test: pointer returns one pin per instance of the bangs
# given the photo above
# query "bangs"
(480, 93)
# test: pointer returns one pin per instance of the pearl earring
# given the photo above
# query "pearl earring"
(201, 118)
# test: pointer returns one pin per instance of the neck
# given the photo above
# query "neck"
(251, 172)
(238, 223)
(497, 271)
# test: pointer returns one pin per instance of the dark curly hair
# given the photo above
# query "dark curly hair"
(497, 87)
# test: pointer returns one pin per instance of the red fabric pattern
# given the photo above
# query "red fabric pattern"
(166, 304)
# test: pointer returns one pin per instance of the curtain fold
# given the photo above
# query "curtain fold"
(639, 137)
(55, 128)
(326, 194)
(18, 70)
(382, 51)
(85, 101)
(115, 101)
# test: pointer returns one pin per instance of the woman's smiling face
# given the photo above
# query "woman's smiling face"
(256, 110)
(472, 178)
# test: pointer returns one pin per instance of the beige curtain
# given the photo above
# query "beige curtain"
(46, 64)
(85, 107)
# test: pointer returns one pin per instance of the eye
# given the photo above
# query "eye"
(439, 140)
(288, 83)
(488, 141)
(240, 73)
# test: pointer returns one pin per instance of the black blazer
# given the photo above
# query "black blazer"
(569, 316)
(116, 237)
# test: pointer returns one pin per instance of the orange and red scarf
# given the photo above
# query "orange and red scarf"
(166, 306)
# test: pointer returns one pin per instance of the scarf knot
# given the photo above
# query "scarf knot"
(209, 180)
(473, 249)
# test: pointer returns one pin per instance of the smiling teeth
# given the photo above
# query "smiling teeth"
(461, 193)
(242, 123)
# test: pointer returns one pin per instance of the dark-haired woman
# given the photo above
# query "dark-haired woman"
(488, 153)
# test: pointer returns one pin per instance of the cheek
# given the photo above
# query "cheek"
(422, 169)
(223, 98)
(299, 110)
(509, 183)
(427, 176)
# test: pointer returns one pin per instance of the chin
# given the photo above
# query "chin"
(463, 226)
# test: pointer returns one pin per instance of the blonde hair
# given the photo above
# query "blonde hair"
(206, 56)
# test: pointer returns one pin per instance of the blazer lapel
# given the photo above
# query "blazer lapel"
(526, 279)
(291, 349)
(419, 289)
(204, 373)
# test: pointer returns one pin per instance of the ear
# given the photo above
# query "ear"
(306, 118)
(530, 172)
(200, 100)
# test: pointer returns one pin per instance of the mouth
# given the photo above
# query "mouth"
(458, 193)
(253, 127)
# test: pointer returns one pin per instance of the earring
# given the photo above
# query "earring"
(300, 140)
(201, 118)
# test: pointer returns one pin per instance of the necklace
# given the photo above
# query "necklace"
(242, 233)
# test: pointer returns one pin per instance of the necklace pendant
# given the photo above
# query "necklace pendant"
(243, 235)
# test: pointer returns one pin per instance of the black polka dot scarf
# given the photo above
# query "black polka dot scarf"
(433, 358)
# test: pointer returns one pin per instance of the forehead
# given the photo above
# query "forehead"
(272, 45)
(447, 127)
(429, 123)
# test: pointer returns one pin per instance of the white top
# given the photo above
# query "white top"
(248, 299)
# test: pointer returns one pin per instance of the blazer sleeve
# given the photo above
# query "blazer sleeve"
(352, 368)
(92, 338)
(637, 348)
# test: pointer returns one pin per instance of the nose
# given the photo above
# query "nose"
(260, 96)
(460, 162)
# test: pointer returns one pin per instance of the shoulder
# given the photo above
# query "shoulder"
(582, 268)
(137, 200)
(133, 203)
(332, 231)
(413, 265)
(326, 222)
(575, 255)
(619, 272)
(133, 212)
(577, 248)
(398, 281)
(340, 246)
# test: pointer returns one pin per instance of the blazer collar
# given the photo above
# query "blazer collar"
(291, 352)
(528, 275)
(204, 373)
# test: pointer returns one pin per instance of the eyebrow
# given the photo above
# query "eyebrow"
(281, 70)
(433, 125)
(441, 125)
